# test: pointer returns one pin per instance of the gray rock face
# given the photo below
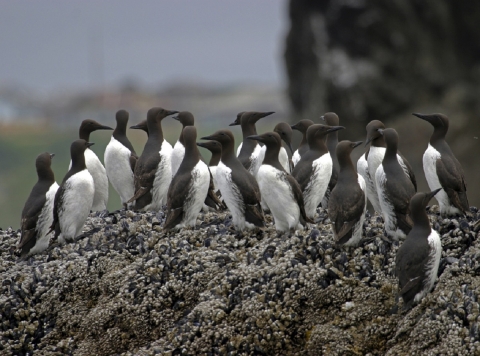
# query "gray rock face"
(130, 289)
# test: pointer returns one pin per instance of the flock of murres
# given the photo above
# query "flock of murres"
(259, 176)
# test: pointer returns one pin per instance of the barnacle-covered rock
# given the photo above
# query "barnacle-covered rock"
(126, 287)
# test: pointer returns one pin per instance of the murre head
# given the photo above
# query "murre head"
(154, 119)
(122, 119)
(251, 117)
(88, 126)
(141, 126)
(317, 132)
(437, 120)
(213, 146)
(418, 203)
(330, 119)
(43, 164)
(77, 152)
(270, 139)
(237, 120)
(225, 138)
(185, 118)
(285, 132)
(345, 148)
(373, 134)
(391, 138)
(302, 125)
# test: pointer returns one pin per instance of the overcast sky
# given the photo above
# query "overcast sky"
(50, 45)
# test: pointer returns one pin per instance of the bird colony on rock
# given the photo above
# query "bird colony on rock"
(257, 178)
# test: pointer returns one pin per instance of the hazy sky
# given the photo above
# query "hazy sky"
(55, 44)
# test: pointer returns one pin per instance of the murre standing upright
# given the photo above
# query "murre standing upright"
(331, 119)
(417, 260)
(249, 152)
(189, 186)
(374, 158)
(285, 132)
(120, 159)
(394, 189)
(279, 189)
(153, 171)
(238, 187)
(348, 199)
(314, 169)
(186, 119)
(94, 166)
(443, 170)
(74, 198)
(216, 149)
(37, 214)
(301, 126)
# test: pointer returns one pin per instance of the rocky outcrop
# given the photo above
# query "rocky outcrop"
(128, 288)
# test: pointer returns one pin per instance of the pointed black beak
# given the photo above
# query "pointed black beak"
(294, 127)
(356, 144)
(235, 123)
(207, 138)
(171, 112)
(103, 127)
(90, 144)
(268, 113)
(432, 193)
(201, 144)
(255, 137)
(52, 155)
(175, 118)
(420, 116)
(335, 128)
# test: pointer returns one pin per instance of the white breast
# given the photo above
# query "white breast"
(278, 195)
(371, 189)
(44, 221)
(431, 269)
(316, 187)
(231, 195)
(100, 179)
(257, 157)
(295, 158)
(197, 193)
(282, 158)
(163, 178)
(239, 148)
(177, 157)
(430, 158)
(76, 204)
(118, 168)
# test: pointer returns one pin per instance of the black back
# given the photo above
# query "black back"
(243, 179)
(413, 254)
(398, 186)
(148, 162)
(347, 199)
(77, 153)
(316, 148)
(35, 202)
(178, 192)
(449, 170)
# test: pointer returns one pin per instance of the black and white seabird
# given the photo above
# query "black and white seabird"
(94, 166)
(331, 119)
(418, 258)
(37, 214)
(153, 171)
(120, 159)
(394, 189)
(314, 169)
(285, 132)
(189, 186)
(373, 158)
(443, 170)
(186, 119)
(279, 189)
(348, 199)
(74, 198)
(249, 152)
(142, 125)
(301, 126)
(216, 149)
(238, 187)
